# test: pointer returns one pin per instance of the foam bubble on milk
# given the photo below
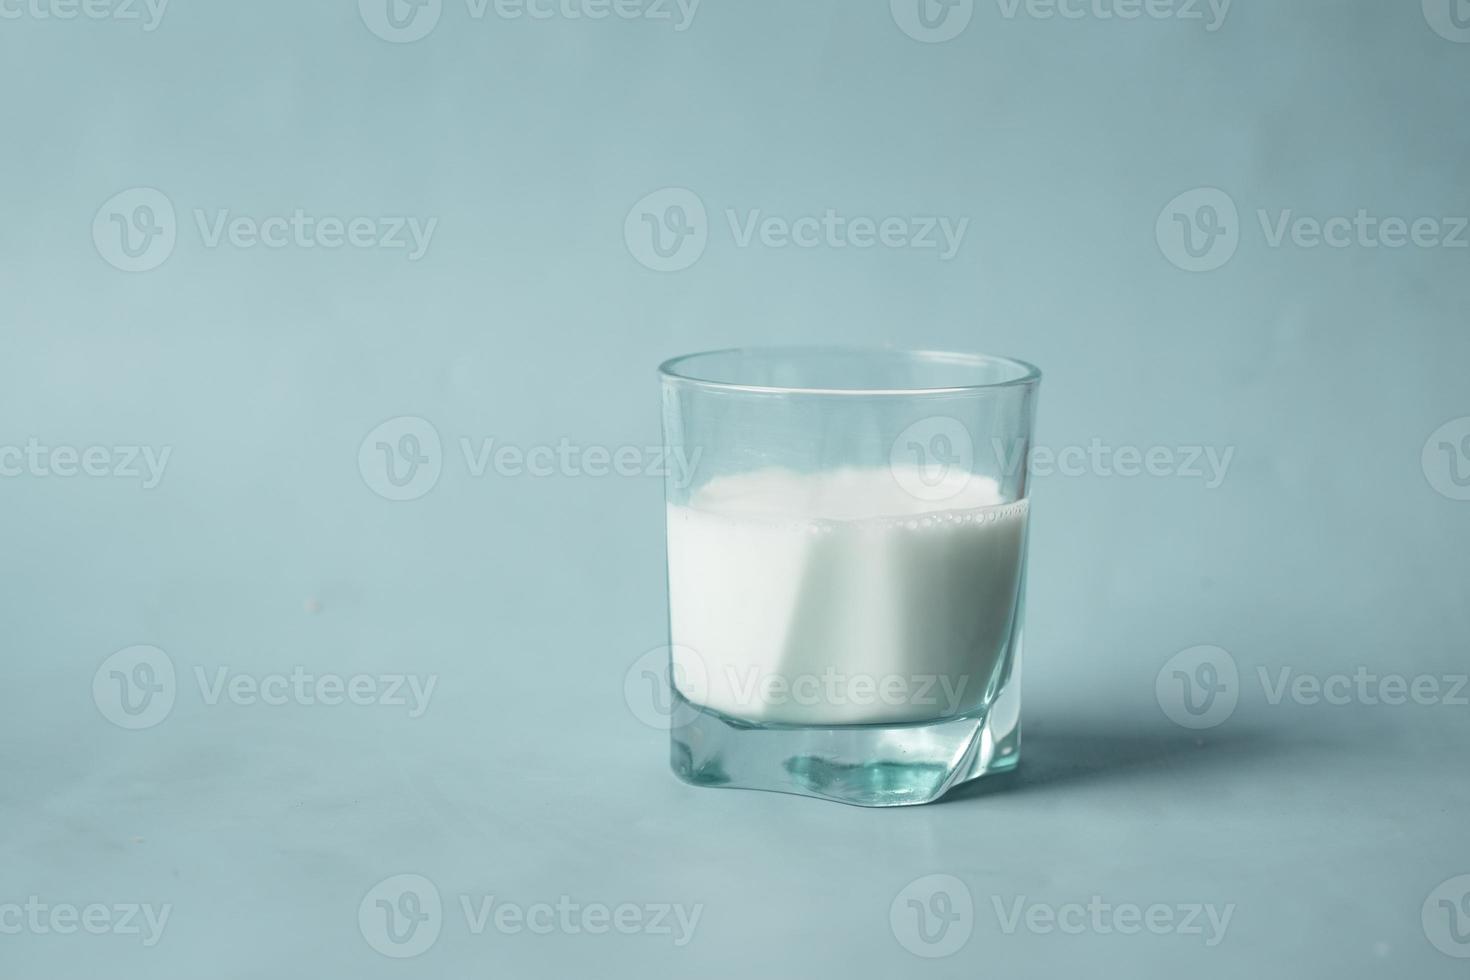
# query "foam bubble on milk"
(841, 598)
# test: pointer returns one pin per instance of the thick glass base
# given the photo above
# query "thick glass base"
(864, 765)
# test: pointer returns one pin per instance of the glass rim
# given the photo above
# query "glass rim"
(1027, 374)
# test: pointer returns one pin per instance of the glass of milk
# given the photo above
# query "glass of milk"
(847, 566)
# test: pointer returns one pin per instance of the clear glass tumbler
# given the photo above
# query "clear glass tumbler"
(847, 564)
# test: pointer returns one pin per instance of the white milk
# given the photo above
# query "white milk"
(838, 598)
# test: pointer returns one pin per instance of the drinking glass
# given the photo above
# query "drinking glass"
(846, 568)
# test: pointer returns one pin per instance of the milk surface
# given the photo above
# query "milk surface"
(838, 598)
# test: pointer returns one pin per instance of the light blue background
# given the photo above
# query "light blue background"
(530, 320)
